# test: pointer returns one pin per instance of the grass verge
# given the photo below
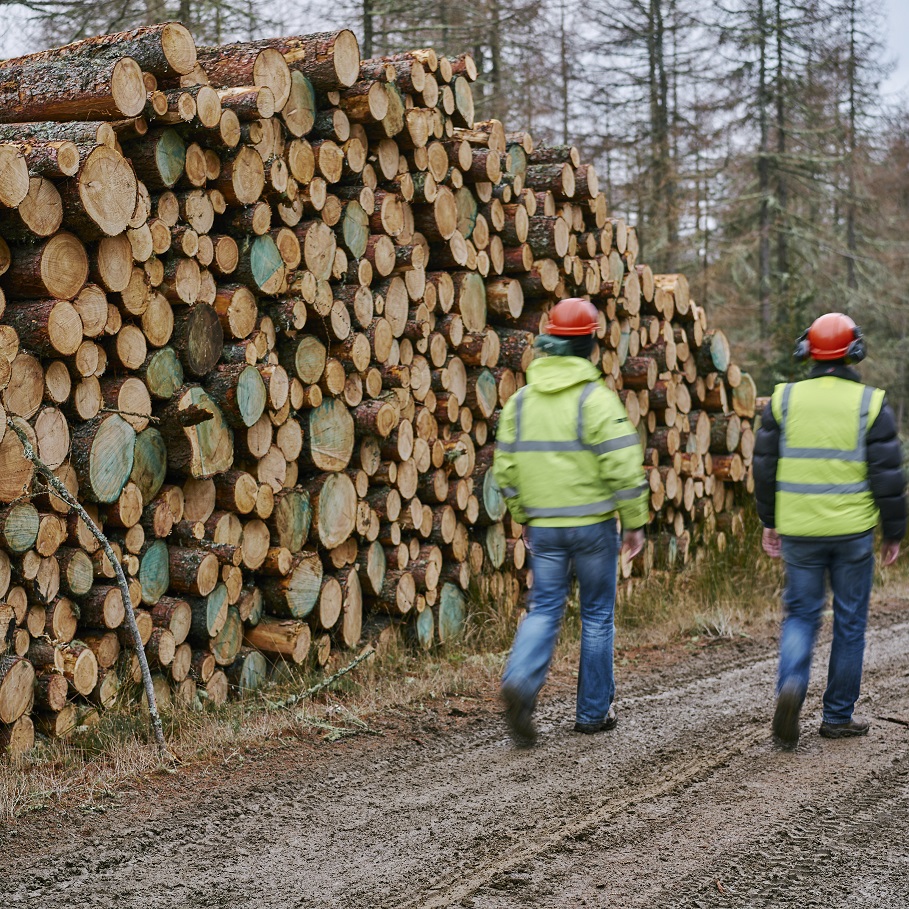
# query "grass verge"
(721, 596)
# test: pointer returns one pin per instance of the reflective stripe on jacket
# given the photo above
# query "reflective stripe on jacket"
(822, 486)
(566, 453)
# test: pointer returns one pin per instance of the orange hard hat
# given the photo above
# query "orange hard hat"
(572, 317)
(834, 336)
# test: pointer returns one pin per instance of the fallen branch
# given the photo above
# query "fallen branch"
(325, 683)
(67, 497)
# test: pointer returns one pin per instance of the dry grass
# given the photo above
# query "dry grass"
(721, 596)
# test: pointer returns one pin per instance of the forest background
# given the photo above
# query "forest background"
(757, 145)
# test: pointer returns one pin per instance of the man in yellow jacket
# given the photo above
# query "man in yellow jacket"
(827, 471)
(568, 460)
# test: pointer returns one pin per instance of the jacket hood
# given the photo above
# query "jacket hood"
(836, 368)
(553, 374)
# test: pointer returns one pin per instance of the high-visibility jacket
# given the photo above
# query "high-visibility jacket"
(822, 486)
(566, 453)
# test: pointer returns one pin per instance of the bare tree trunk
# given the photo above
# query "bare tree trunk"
(851, 245)
(763, 165)
(564, 73)
(368, 15)
(154, 12)
(495, 60)
(782, 190)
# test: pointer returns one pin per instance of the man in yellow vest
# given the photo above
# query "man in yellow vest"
(568, 460)
(827, 470)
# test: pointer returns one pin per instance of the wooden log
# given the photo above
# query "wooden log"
(295, 595)
(39, 214)
(713, 355)
(71, 85)
(282, 637)
(102, 454)
(50, 691)
(196, 433)
(175, 615)
(744, 397)
(330, 436)
(18, 738)
(334, 504)
(247, 63)
(640, 372)
(102, 607)
(56, 268)
(101, 198)
(729, 467)
(725, 432)
(17, 679)
(330, 60)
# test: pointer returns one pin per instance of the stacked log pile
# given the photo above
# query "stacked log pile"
(261, 307)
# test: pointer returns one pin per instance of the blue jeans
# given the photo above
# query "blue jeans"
(593, 551)
(849, 564)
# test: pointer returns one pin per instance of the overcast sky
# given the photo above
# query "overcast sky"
(898, 46)
(13, 41)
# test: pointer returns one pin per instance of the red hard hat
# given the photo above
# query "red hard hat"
(572, 317)
(831, 335)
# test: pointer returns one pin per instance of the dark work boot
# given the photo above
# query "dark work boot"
(786, 717)
(519, 717)
(855, 726)
(602, 726)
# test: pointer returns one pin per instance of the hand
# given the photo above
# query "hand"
(890, 550)
(771, 543)
(632, 542)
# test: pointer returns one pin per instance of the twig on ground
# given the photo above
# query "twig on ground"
(325, 683)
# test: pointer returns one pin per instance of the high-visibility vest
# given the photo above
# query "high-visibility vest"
(822, 484)
(550, 450)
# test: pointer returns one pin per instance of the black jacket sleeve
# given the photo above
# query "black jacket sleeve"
(885, 473)
(766, 456)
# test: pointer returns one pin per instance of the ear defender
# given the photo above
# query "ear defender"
(803, 347)
(856, 351)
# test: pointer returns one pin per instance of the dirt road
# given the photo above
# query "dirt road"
(684, 804)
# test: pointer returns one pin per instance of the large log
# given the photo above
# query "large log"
(100, 82)
(247, 63)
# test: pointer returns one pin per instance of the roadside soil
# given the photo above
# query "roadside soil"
(686, 803)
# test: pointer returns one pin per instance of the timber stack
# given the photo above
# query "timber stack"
(260, 307)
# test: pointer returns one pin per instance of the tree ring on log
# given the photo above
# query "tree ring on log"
(252, 395)
(331, 435)
(266, 265)
(335, 515)
(204, 340)
(108, 190)
(170, 157)
(164, 373)
(179, 47)
(346, 58)
(211, 441)
(16, 470)
(154, 572)
(149, 463)
(17, 683)
(110, 459)
(299, 113)
(270, 69)
(452, 613)
(128, 89)
(64, 266)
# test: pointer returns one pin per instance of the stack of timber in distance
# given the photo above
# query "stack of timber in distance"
(260, 308)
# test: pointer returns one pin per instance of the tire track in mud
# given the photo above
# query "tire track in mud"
(821, 827)
(683, 773)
